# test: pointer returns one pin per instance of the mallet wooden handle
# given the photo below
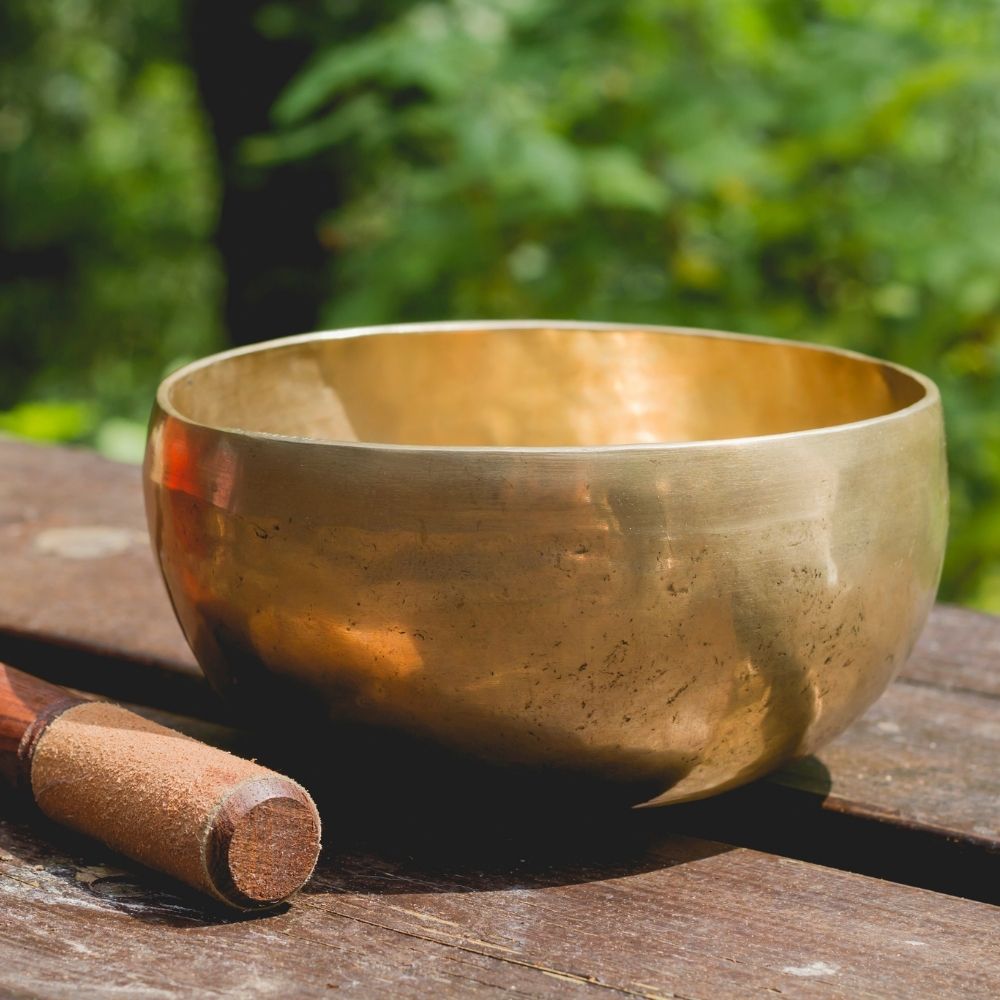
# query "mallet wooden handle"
(231, 828)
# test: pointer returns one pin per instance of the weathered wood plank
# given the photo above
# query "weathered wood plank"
(626, 912)
(70, 929)
(73, 527)
(81, 601)
(959, 650)
(924, 760)
(921, 757)
(441, 905)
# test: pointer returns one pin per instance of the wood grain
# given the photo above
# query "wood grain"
(922, 757)
(631, 913)
(958, 651)
(472, 894)
(81, 601)
(924, 761)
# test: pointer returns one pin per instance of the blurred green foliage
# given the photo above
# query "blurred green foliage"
(819, 169)
(108, 203)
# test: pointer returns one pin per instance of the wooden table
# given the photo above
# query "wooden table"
(872, 870)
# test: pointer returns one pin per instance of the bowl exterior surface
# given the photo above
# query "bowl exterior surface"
(682, 618)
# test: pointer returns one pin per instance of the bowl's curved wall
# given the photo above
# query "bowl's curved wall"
(685, 617)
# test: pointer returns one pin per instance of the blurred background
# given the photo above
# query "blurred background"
(182, 174)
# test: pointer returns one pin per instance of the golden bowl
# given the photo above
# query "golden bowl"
(668, 558)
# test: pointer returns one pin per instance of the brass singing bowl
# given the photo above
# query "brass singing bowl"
(673, 559)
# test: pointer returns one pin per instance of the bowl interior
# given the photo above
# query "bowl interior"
(536, 387)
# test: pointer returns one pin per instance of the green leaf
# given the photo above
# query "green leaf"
(121, 440)
(616, 178)
(330, 73)
(362, 114)
(49, 421)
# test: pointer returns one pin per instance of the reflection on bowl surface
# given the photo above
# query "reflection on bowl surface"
(662, 558)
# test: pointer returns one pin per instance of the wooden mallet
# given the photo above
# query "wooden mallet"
(237, 831)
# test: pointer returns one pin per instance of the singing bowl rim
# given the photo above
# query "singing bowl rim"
(931, 396)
